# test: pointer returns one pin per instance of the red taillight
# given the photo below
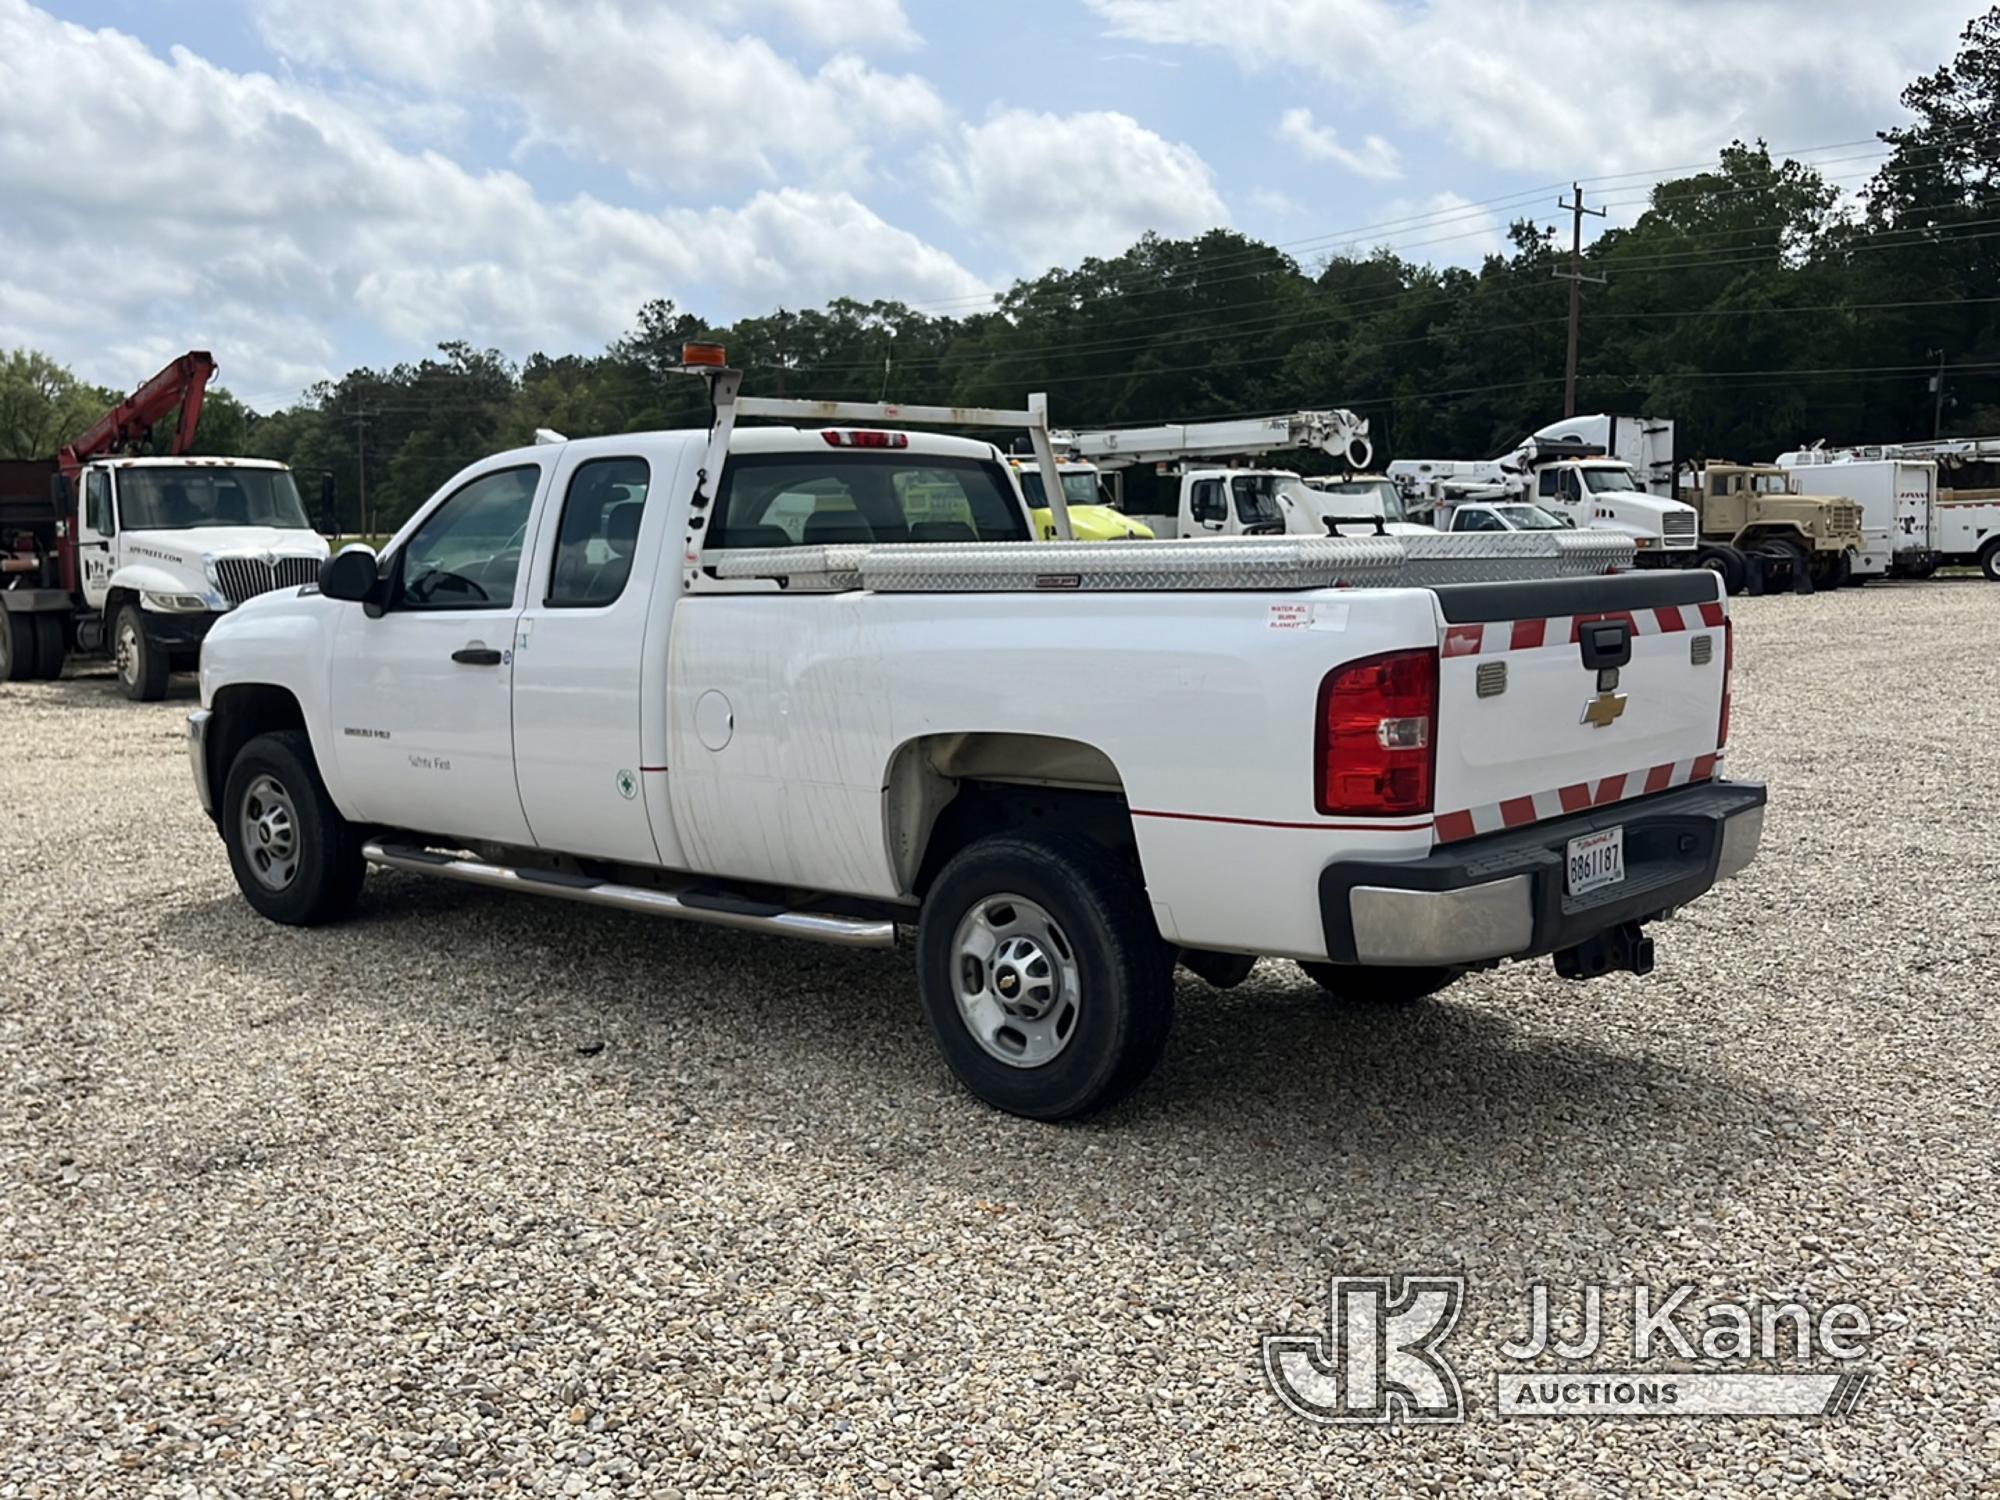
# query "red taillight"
(1728, 666)
(864, 437)
(1377, 741)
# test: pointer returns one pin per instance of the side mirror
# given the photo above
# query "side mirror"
(329, 523)
(62, 494)
(350, 574)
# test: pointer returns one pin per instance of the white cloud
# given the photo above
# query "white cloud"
(1589, 86)
(1053, 188)
(827, 23)
(155, 204)
(654, 89)
(1376, 158)
(1442, 229)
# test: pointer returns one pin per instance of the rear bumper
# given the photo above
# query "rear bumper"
(1502, 896)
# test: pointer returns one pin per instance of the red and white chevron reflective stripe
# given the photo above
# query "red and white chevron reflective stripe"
(1566, 630)
(1567, 801)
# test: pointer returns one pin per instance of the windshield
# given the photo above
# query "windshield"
(1531, 518)
(1601, 480)
(1381, 496)
(165, 499)
(1079, 488)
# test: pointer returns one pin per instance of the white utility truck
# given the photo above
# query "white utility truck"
(1216, 500)
(134, 557)
(1298, 747)
(1898, 500)
(1574, 477)
(1964, 511)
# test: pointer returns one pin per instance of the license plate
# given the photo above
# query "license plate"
(1596, 860)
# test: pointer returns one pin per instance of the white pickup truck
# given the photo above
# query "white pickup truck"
(819, 681)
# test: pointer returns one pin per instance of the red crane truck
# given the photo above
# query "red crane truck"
(104, 552)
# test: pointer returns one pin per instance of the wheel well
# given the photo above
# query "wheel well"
(241, 714)
(944, 791)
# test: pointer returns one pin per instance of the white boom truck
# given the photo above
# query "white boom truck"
(1217, 501)
(1961, 522)
(834, 727)
(135, 558)
(1571, 469)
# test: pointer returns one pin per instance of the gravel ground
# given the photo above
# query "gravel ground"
(478, 1194)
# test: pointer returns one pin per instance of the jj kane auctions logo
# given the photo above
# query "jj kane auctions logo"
(1382, 1358)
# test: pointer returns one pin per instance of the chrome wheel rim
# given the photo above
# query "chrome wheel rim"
(270, 833)
(1015, 975)
(126, 651)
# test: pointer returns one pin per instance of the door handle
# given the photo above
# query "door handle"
(477, 656)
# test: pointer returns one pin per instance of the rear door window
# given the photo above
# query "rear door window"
(600, 532)
(806, 500)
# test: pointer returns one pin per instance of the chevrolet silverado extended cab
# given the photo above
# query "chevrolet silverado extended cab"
(820, 681)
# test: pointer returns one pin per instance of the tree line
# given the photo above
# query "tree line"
(1757, 302)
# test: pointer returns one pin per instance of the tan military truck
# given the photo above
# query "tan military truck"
(1757, 509)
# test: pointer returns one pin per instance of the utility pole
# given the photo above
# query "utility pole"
(1575, 277)
(1937, 407)
(361, 468)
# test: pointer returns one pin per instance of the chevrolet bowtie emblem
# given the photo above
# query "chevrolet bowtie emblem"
(1602, 709)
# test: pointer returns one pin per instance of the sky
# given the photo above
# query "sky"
(303, 186)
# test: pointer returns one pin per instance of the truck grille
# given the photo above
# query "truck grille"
(1845, 518)
(243, 578)
(1677, 527)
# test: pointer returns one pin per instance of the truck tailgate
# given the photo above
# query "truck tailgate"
(1554, 697)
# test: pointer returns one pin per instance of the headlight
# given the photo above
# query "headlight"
(175, 604)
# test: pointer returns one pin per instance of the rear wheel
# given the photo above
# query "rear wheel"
(142, 666)
(1044, 979)
(1989, 561)
(1728, 563)
(296, 859)
(20, 647)
(50, 648)
(1368, 984)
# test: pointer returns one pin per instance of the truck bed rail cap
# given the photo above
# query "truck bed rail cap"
(1142, 566)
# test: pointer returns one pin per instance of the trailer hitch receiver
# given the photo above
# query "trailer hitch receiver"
(1625, 948)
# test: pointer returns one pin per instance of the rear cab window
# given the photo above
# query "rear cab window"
(881, 498)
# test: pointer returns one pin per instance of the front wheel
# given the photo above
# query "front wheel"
(1831, 570)
(1044, 979)
(296, 859)
(1368, 984)
(142, 666)
(1989, 562)
(1727, 563)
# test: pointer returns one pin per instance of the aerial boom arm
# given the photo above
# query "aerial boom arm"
(1340, 434)
(181, 384)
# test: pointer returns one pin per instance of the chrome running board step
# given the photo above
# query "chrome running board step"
(687, 905)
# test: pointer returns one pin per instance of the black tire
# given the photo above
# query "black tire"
(1367, 984)
(1728, 564)
(1831, 572)
(142, 666)
(1100, 920)
(326, 874)
(20, 647)
(51, 648)
(1989, 561)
